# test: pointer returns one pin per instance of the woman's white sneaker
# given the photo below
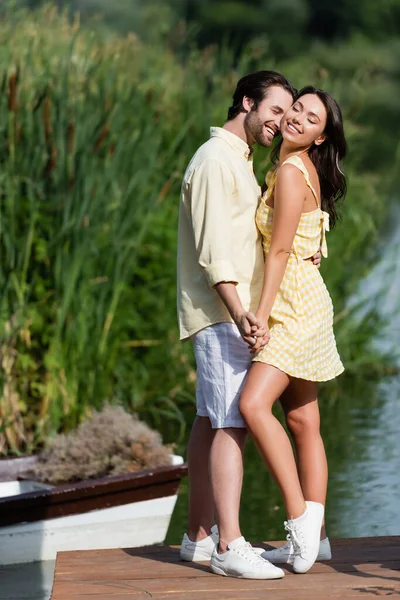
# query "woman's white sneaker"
(305, 534)
(285, 554)
(243, 561)
(199, 551)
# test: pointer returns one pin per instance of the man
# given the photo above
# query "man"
(220, 276)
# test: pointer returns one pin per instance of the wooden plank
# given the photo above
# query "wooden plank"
(330, 582)
(356, 548)
(146, 571)
(363, 568)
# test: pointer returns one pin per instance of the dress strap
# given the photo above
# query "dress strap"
(297, 162)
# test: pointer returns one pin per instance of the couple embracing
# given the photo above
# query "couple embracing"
(253, 302)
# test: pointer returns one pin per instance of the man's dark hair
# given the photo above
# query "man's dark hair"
(256, 86)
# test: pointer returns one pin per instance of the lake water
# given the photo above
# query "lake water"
(27, 582)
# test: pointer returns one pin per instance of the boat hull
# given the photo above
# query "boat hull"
(127, 526)
(131, 510)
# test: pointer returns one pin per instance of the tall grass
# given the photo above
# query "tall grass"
(94, 138)
(84, 162)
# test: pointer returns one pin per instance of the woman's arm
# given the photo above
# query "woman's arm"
(290, 192)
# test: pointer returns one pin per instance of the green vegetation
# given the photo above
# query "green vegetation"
(283, 25)
(95, 134)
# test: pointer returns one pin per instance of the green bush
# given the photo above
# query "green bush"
(95, 135)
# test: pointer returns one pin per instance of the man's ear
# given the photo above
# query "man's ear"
(247, 104)
(320, 140)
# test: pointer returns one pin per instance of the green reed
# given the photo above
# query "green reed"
(94, 139)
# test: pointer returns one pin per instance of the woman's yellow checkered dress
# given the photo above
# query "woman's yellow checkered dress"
(302, 342)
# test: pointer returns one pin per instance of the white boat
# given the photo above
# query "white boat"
(38, 520)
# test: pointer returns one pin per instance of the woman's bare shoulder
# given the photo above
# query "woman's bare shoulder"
(290, 174)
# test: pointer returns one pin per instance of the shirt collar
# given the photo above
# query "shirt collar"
(238, 145)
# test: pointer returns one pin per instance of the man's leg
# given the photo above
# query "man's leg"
(201, 504)
(226, 471)
(222, 359)
(215, 451)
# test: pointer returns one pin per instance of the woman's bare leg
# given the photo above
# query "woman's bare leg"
(300, 405)
(264, 385)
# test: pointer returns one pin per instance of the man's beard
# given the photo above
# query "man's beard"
(255, 127)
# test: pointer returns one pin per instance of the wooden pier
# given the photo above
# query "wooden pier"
(360, 568)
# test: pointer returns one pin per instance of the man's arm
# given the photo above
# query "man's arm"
(316, 259)
(211, 190)
(211, 194)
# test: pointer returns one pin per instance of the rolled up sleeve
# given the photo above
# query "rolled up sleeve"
(211, 196)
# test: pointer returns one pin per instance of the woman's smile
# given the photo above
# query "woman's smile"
(292, 128)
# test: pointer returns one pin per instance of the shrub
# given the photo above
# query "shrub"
(111, 442)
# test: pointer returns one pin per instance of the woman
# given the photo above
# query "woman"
(303, 190)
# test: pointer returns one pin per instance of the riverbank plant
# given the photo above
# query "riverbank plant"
(95, 135)
(111, 442)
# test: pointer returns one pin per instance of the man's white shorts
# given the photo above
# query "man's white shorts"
(223, 360)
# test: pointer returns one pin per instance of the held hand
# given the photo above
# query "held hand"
(261, 341)
(249, 327)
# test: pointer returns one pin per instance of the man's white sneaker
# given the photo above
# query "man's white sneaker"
(285, 554)
(243, 561)
(199, 551)
(202, 551)
(305, 534)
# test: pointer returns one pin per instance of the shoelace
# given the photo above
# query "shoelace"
(286, 548)
(247, 552)
(296, 537)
